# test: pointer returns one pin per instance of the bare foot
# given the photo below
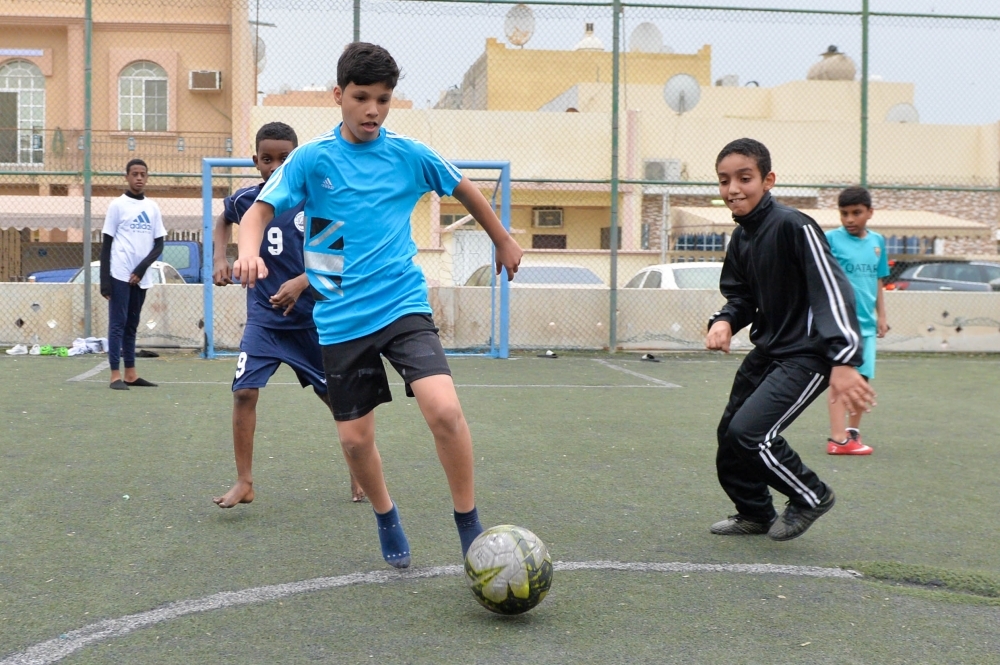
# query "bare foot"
(357, 494)
(241, 492)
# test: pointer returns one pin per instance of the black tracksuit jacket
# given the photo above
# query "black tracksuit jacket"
(780, 278)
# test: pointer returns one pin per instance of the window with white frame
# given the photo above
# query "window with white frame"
(22, 113)
(142, 98)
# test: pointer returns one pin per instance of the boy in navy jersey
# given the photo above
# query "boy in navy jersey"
(279, 326)
(360, 184)
(132, 239)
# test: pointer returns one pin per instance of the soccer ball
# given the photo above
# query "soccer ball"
(508, 569)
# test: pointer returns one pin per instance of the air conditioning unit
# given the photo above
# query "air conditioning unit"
(547, 218)
(204, 81)
(662, 169)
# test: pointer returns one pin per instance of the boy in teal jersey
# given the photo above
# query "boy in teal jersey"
(861, 253)
(360, 184)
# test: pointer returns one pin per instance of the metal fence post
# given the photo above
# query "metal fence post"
(613, 232)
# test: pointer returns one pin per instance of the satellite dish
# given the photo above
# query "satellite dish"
(646, 38)
(261, 50)
(902, 113)
(682, 93)
(519, 25)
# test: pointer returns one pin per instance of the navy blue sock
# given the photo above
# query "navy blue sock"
(395, 546)
(468, 528)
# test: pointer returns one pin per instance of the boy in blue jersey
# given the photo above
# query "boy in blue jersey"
(279, 326)
(861, 253)
(360, 184)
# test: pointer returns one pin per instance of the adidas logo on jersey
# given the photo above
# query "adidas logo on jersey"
(141, 223)
(327, 184)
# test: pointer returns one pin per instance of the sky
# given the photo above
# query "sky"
(952, 64)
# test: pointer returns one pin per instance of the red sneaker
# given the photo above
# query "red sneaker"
(850, 447)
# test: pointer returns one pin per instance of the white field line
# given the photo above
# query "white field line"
(101, 366)
(56, 649)
(660, 382)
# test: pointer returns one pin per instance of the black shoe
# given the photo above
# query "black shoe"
(796, 519)
(738, 525)
(118, 384)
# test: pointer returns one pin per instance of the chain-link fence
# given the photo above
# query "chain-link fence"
(612, 159)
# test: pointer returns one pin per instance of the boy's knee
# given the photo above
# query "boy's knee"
(245, 398)
(356, 442)
(355, 447)
(739, 439)
(446, 419)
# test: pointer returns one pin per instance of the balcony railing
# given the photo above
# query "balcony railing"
(60, 151)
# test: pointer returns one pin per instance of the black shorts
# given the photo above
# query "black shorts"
(355, 376)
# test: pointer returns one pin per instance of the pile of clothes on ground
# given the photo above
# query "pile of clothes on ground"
(80, 346)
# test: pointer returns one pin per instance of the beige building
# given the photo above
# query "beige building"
(514, 79)
(170, 83)
(174, 84)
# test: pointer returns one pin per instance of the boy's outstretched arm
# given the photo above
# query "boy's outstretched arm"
(249, 267)
(508, 251)
(831, 300)
(289, 292)
(221, 235)
(740, 307)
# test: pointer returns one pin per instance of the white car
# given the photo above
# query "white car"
(552, 275)
(694, 275)
(163, 273)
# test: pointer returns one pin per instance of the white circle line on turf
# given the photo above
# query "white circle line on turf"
(101, 366)
(56, 649)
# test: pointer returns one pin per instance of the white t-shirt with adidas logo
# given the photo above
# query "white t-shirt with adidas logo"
(134, 224)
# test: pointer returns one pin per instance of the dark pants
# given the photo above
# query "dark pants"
(767, 396)
(124, 310)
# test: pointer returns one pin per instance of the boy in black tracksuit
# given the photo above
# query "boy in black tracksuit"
(780, 278)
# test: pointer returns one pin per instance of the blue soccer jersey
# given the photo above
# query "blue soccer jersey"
(281, 250)
(359, 249)
(865, 262)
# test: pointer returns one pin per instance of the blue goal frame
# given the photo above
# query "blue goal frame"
(499, 330)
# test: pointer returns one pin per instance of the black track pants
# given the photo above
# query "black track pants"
(767, 396)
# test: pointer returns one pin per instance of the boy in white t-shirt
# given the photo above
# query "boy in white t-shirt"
(133, 238)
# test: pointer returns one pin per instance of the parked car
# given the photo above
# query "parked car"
(163, 273)
(183, 255)
(694, 275)
(58, 275)
(948, 276)
(541, 276)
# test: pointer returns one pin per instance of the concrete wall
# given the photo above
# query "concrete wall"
(540, 318)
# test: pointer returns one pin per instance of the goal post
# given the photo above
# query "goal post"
(499, 292)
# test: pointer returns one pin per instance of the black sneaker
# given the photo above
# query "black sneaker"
(738, 525)
(796, 519)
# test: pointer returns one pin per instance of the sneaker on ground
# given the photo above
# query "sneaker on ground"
(17, 350)
(738, 525)
(855, 435)
(35, 350)
(849, 447)
(796, 519)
